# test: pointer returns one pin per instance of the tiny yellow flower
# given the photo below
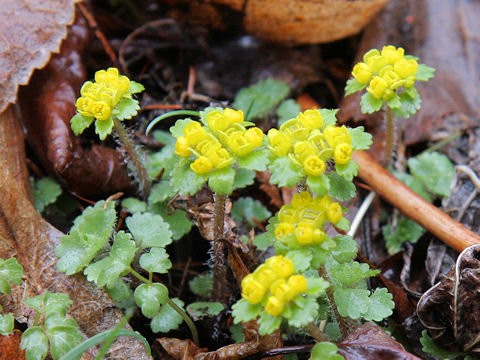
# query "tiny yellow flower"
(201, 165)
(334, 212)
(101, 110)
(194, 132)
(304, 149)
(252, 290)
(285, 292)
(342, 153)
(254, 136)
(377, 87)
(362, 73)
(298, 283)
(302, 199)
(304, 233)
(217, 121)
(392, 79)
(220, 158)
(276, 284)
(87, 88)
(274, 306)
(311, 119)
(409, 81)
(84, 106)
(283, 229)
(369, 54)
(265, 275)
(207, 145)
(377, 62)
(181, 147)
(313, 165)
(406, 67)
(239, 145)
(280, 143)
(392, 54)
(281, 265)
(106, 75)
(233, 116)
(335, 135)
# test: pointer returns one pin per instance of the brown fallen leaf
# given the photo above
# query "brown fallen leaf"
(10, 345)
(25, 235)
(30, 30)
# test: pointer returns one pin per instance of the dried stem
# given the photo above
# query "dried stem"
(315, 332)
(390, 140)
(219, 258)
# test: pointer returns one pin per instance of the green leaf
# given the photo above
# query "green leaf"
(285, 172)
(149, 297)
(353, 86)
(394, 102)
(263, 241)
(348, 170)
(10, 271)
(287, 110)
(56, 319)
(35, 343)
(243, 311)
(370, 104)
(301, 316)
(341, 189)
(89, 233)
(149, 230)
(236, 331)
(316, 286)
(243, 178)
(318, 184)
(361, 140)
(409, 105)
(434, 170)
(424, 72)
(164, 137)
(345, 250)
(343, 224)
(412, 92)
(380, 305)
(199, 310)
(6, 324)
(79, 123)
(260, 99)
(414, 184)
(62, 339)
(177, 129)
(184, 180)
(329, 117)
(246, 208)
(126, 109)
(268, 323)
(49, 303)
(351, 302)
(45, 192)
(134, 205)
(178, 222)
(350, 273)
(164, 159)
(160, 192)
(167, 318)
(107, 271)
(301, 258)
(135, 87)
(429, 346)
(202, 284)
(156, 260)
(103, 128)
(406, 230)
(120, 291)
(325, 351)
(221, 180)
(257, 160)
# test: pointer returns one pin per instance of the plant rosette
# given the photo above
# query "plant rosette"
(389, 77)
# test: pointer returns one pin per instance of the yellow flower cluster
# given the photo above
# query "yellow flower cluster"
(274, 282)
(385, 71)
(301, 222)
(226, 135)
(303, 141)
(100, 97)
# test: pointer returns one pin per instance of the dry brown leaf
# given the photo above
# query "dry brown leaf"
(10, 346)
(30, 30)
(25, 235)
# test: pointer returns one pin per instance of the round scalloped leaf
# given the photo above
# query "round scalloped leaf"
(149, 297)
(156, 260)
(149, 230)
(221, 180)
(167, 318)
(103, 128)
(35, 343)
(285, 172)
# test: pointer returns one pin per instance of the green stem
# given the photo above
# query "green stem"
(187, 320)
(390, 141)
(170, 114)
(140, 277)
(136, 163)
(219, 261)
(315, 332)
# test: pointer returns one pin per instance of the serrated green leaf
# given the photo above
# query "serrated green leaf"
(263, 241)
(236, 331)
(406, 230)
(45, 192)
(62, 339)
(10, 271)
(178, 221)
(149, 230)
(221, 180)
(318, 184)
(49, 303)
(126, 109)
(380, 305)
(351, 302)
(353, 86)
(167, 318)
(257, 160)
(348, 170)
(243, 178)
(149, 297)
(301, 316)
(414, 184)
(332, 330)
(394, 102)
(134, 205)
(341, 189)
(343, 224)
(201, 309)
(409, 105)
(370, 104)
(316, 286)
(56, 319)
(156, 260)
(35, 343)
(243, 311)
(434, 170)
(259, 99)
(164, 159)
(429, 346)
(135, 87)
(246, 208)
(107, 271)
(424, 72)
(350, 273)
(120, 291)
(160, 192)
(361, 140)
(184, 180)
(284, 172)
(325, 351)
(287, 110)
(345, 250)
(329, 117)
(79, 123)
(177, 129)
(6, 324)
(202, 284)
(103, 128)
(268, 323)
(301, 258)
(412, 92)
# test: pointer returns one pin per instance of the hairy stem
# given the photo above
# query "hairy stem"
(187, 320)
(219, 258)
(390, 140)
(139, 170)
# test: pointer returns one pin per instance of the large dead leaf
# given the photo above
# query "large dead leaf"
(30, 30)
(25, 235)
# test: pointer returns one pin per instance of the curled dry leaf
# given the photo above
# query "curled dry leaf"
(449, 310)
(25, 235)
(30, 30)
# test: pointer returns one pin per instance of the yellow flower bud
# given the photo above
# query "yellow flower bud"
(84, 105)
(392, 54)
(252, 290)
(265, 275)
(239, 145)
(217, 121)
(101, 110)
(254, 136)
(220, 158)
(274, 306)
(280, 143)
(194, 132)
(87, 88)
(409, 81)
(310, 119)
(304, 149)
(276, 284)
(325, 202)
(313, 165)
(106, 75)
(406, 67)
(233, 116)
(377, 87)
(181, 147)
(289, 214)
(304, 233)
(285, 292)
(334, 212)
(342, 153)
(362, 73)
(298, 283)
(302, 199)
(369, 54)
(123, 84)
(281, 265)
(377, 62)
(109, 95)
(335, 135)
(283, 229)
(201, 165)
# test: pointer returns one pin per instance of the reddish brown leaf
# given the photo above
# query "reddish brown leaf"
(10, 346)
